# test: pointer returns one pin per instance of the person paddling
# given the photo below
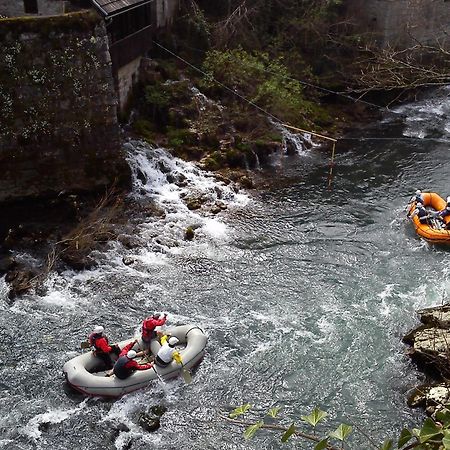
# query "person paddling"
(101, 347)
(126, 365)
(148, 327)
(445, 212)
(168, 352)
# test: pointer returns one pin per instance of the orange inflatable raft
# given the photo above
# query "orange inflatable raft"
(428, 232)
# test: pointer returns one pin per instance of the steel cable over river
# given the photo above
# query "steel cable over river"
(304, 293)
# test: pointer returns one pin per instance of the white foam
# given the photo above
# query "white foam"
(54, 416)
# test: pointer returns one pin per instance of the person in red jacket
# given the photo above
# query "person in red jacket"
(126, 364)
(102, 349)
(148, 327)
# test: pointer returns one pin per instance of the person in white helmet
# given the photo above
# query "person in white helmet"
(414, 201)
(167, 352)
(423, 214)
(445, 212)
(126, 365)
(101, 347)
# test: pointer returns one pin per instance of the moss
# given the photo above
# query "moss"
(215, 161)
(181, 137)
(77, 21)
(189, 234)
(145, 129)
(235, 158)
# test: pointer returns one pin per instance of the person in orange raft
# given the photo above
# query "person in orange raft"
(148, 327)
(126, 365)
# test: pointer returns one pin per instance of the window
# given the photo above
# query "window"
(30, 6)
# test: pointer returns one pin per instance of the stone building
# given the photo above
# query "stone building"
(64, 76)
(17, 8)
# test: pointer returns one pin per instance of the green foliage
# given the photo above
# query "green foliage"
(273, 412)
(341, 432)
(315, 417)
(144, 128)
(289, 432)
(429, 430)
(240, 410)
(156, 95)
(322, 445)
(252, 429)
(261, 79)
(387, 445)
(405, 437)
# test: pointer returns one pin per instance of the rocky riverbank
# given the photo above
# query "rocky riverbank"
(429, 348)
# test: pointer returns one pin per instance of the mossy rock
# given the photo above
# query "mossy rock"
(235, 158)
(189, 234)
(181, 137)
(144, 128)
(215, 161)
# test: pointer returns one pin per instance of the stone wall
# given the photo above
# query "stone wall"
(402, 23)
(15, 8)
(59, 128)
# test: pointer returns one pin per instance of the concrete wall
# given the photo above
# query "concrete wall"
(165, 12)
(127, 77)
(401, 23)
(15, 8)
(59, 128)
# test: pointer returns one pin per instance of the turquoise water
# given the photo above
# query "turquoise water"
(304, 292)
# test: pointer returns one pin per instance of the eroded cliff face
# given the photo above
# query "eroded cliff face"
(59, 129)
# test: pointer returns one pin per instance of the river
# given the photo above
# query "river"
(304, 293)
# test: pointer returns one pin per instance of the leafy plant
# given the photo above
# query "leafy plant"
(434, 434)
(262, 80)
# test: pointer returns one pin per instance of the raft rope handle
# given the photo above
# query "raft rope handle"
(193, 328)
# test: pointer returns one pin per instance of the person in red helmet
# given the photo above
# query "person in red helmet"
(126, 365)
(149, 325)
(101, 347)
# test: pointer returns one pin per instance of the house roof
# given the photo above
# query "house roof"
(109, 7)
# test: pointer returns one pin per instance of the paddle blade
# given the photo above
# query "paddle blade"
(84, 345)
(186, 376)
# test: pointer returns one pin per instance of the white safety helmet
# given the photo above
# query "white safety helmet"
(173, 341)
(418, 192)
(99, 329)
(131, 354)
(448, 199)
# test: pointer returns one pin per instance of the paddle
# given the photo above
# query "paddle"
(187, 377)
(85, 344)
(186, 374)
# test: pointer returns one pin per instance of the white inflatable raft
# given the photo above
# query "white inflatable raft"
(81, 375)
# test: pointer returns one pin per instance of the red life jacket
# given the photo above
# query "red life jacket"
(93, 338)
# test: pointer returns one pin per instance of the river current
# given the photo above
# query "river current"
(304, 293)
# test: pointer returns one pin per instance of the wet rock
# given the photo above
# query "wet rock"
(44, 426)
(150, 421)
(127, 260)
(189, 234)
(432, 397)
(437, 316)
(78, 260)
(20, 281)
(429, 349)
(194, 203)
(7, 263)
(429, 342)
(128, 241)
